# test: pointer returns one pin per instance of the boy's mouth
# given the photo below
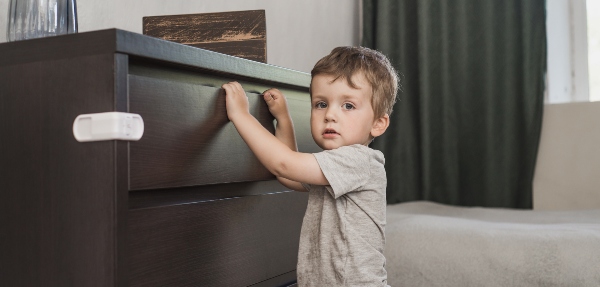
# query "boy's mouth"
(330, 132)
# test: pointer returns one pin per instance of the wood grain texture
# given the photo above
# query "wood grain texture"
(298, 98)
(202, 193)
(240, 33)
(149, 49)
(57, 198)
(121, 171)
(230, 242)
(68, 215)
(138, 46)
(59, 47)
(188, 139)
(284, 280)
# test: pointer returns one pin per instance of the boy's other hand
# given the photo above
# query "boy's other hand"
(276, 102)
(236, 100)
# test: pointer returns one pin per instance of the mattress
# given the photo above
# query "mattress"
(431, 244)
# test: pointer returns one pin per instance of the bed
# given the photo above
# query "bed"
(431, 244)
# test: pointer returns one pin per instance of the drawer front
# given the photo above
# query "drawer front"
(188, 139)
(231, 242)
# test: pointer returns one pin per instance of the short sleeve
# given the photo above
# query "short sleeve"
(346, 168)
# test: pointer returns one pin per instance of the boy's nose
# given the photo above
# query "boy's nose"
(330, 116)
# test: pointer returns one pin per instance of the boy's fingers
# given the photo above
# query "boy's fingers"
(273, 92)
(238, 87)
(228, 87)
(269, 96)
(232, 88)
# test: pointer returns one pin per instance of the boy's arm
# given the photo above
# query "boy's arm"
(274, 154)
(284, 130)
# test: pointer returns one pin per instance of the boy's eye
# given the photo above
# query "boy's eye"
(320, 105)
(348, 106)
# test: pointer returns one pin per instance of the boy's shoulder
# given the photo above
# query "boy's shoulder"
(352, 168)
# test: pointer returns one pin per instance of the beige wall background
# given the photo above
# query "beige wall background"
(298, 32)
(567, 173)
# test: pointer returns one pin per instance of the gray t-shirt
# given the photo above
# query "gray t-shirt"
(342, 237)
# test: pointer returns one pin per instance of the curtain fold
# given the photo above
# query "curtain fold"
(467, 125)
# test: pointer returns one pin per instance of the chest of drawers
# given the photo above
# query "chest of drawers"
(187, 205)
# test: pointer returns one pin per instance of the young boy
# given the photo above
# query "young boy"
(352, 93)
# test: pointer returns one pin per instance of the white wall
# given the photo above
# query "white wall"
(566, 26)
(298, 32)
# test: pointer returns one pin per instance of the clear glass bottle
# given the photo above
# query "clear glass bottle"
(28, 19)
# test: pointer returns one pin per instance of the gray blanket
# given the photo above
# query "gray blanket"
(429, 244)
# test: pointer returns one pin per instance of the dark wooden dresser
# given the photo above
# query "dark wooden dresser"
(187, 205)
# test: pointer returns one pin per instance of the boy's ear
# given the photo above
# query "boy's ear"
(380, 125)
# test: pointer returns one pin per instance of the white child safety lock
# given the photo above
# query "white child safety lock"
(108, 126)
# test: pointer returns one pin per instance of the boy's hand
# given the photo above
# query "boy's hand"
(236, 100)
(277, 103)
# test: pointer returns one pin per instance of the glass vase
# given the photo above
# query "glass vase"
(28, 19)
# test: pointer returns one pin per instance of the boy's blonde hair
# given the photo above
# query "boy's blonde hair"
(344, 62)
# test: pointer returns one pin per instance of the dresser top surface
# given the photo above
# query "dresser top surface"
(142, 46)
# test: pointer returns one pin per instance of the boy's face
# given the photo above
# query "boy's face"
(340, 114)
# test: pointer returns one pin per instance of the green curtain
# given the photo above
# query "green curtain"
(467, 125)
